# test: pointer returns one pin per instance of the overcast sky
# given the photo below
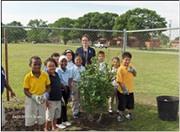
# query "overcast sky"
(24, 11)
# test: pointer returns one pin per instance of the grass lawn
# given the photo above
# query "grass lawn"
(157, 75)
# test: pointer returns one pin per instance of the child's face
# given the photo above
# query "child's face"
(69, 56)
(78, 61)
(51, 67)
(101, 57)
(116, 63)
(126, 61)
(63, 63)
(36, 65)
(56, 58)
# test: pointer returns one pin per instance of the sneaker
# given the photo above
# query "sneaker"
(129, 116)
(120, 118)
(76, 116)
(66, 123)
(61, 126)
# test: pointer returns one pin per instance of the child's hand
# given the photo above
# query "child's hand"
(13, 94)
(62, 101)
(36, 98)
(46, 95)
(125, 90)
(130, 69)
(48, 104)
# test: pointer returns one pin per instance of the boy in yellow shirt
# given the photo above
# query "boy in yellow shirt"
(125, 79)
(36, 88)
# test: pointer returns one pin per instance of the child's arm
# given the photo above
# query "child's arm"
(131, 69)
(62, 86)
(125, 90)
(48, 88)
(47, 92)
(9, 88)
(27, 93)
(70, 84)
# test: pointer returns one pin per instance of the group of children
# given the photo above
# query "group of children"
(49, 91)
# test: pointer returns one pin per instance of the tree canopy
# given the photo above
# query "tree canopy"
(16, 34)
(37, 35)
(135, 19)
(63, 23)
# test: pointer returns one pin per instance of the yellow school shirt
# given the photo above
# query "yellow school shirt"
(36, 85)
(126, 77)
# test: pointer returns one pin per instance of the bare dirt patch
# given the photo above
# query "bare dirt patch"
(16, 121)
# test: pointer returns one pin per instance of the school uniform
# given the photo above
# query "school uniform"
(64, 77)
(55, 96)
(35, 112)
(70, 64)
(76, 102)
(114, 93)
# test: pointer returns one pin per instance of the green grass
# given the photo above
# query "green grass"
(157, 75)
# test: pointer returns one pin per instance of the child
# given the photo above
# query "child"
(36, 88)
(76, 103)
(53, 110)
(64, 75)
(125, 79)
(70, 56)
(116, 64)
(101, 57)
(4, 83)
(55, 56)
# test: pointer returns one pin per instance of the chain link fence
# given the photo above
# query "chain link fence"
(155, 54)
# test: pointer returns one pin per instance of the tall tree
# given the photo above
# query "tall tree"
(140, 19)
(96, 20)
(108, 24)
(63, 23)
(16, 34)
(35, 34)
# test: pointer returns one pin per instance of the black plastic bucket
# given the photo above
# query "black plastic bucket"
(167, 107)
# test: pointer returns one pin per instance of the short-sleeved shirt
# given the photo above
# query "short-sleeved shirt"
(2, 79)
(102, 66)
(114, 71)
(36, 85)
(44, 69)
(55, 94)
(75, 73)
(64, 76)
(70, 64)
(126, 77)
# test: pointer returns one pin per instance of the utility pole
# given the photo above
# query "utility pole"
(170, 33)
